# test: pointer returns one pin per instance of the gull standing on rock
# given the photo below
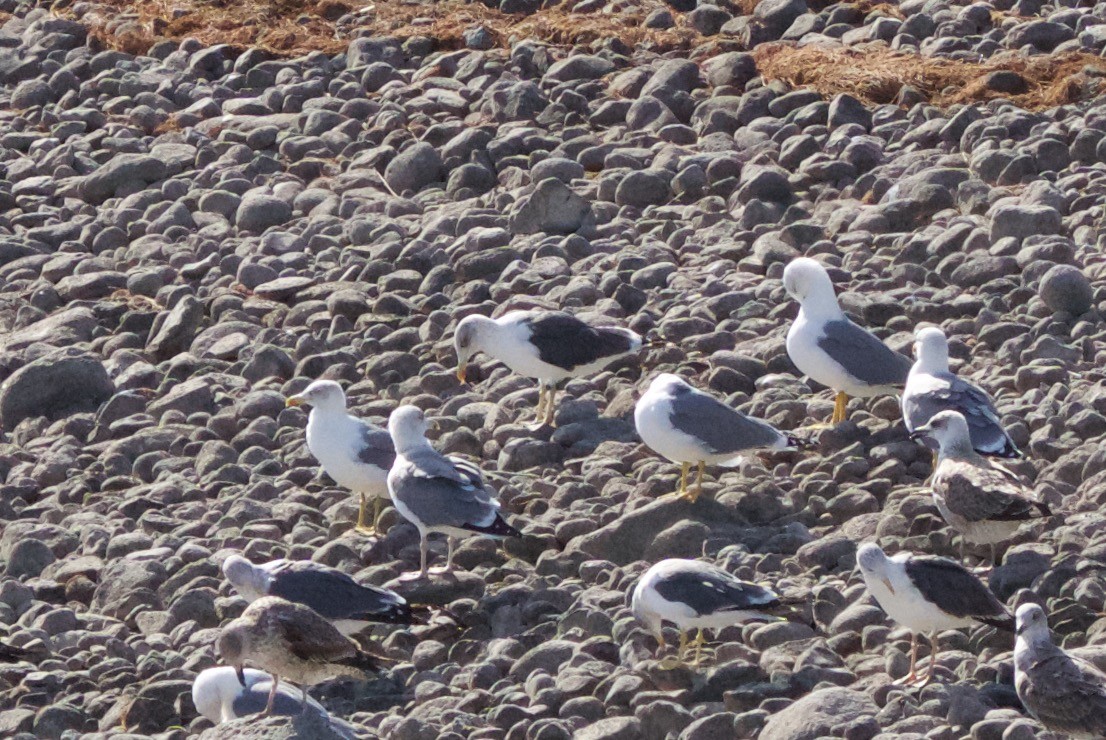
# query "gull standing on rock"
(932, 388)
(356, 454)
(982, 501)
(696, 595)
(1064, 693)
(689, 426)
(547, 345)
(928, 594)
(347, 604)
(292, 642)
(829, 348)
(438, 493)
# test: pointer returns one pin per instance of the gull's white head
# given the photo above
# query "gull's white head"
(1032, 624)
(408, 426)
(248, 580)
(808, 282)
(214, 690)
(949, 429)
(468, 339)
(325, 395)
(667, 381)
(931, 349)
(873, 562)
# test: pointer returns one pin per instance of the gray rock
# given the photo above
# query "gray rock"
(612, 728)
(258, 211)
(132, 171)
(579, 67)
(174, 330)
(1066, 288)
(552, 208)
(1020, 221)
(644, 188)
(815, 714)
(66, 382)
(414, 168)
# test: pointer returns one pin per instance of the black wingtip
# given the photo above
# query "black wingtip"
(363, 661)
(1005, 622)
(394, 614)
(798, 443)
(498, 528)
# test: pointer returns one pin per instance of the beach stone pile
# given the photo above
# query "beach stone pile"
(191, 234)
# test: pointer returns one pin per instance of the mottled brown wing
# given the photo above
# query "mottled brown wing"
(980, 493)
(309, 636)
(1066, 694)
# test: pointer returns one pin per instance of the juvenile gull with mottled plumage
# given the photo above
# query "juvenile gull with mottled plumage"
(932, 388)
(829, 348)
(547, 345)
(928, 594)
(1063, 692)
(349, 605)
(696, 595)
(292, 642)
(438, 493)
(982, 501)
(689, 426)
(355, 453)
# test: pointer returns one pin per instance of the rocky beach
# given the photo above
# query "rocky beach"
(207, 205)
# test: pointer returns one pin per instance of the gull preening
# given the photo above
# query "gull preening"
(292, 642)
(335, 596)
(355, 453)
(829, 348)
(928, 595)
(932, 388)
(438, 493)
(982, 501)
(688, 426)
(549, 346)
(1064, 693)
(220, 696)
(695, 595)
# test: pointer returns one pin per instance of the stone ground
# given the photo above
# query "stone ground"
(192, 230)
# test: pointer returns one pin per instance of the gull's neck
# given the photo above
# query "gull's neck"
(932, 360)
(821, 302)
(408, 442)
(958, 448)
(1035, 642)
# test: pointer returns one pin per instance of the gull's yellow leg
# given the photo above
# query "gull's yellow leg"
(683, 647)
(839, 405)
(681, 492)
(659, 635)
(698, 483)
(699, 642)
(362, 526)
(551, 408)
(539, 420)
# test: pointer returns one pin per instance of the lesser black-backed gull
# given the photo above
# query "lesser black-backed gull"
(349, 605)
(221, 697)
(549, 346)
(829, 348)
(695, 595)
(929, 595)
(982, 501)
(438, 493)
(1064, 693)
(292, 642)
(355, 453)
(932, 388)
(688, 426)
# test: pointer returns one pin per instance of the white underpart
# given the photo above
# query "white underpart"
(906, 605)
(215, 689)
(507, 339)
(334, 438)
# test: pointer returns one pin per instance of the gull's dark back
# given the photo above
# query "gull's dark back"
(863, 355)
(567, 342)
(954, 590)
(719, 427)
(335, 595)
(708, 591)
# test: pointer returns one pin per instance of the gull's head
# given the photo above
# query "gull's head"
(667, 382)
(217, 687)
(408, 426)
(231, 648)
(873, 563)
(468, 340)
(948, 428)
(931, 348)
(1032, 624)
(244, 576)
(806, 280)
(322, 394)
